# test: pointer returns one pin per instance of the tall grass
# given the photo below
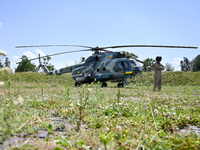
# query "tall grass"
(169, 78)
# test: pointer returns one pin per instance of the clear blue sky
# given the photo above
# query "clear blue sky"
(99, 23)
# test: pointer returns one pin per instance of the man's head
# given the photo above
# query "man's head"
(158, 58)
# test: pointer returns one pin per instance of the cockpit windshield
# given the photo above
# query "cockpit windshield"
(121, 65)
(127, 64)
(134, 62)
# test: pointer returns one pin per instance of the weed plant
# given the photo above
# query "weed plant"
(133, 117)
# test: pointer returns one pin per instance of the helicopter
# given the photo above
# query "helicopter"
(103, 65)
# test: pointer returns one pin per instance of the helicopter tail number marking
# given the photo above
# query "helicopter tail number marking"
(128, 71)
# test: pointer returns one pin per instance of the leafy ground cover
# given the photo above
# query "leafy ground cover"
(133, 117)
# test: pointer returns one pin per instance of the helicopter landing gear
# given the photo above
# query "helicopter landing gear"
(77, 84)
(119, 85)
(104, 84)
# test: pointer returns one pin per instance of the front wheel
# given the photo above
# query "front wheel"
(77, 84)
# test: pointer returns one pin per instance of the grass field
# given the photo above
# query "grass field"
(91, 117)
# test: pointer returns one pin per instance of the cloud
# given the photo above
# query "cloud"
(16, 58)
(70, 63)
(0, 24)
(3, 53)
(177, 60)
(176, 63)
(29, 54)
(40, 52)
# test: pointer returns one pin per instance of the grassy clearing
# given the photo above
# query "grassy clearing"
(133, 117)
(169, 78)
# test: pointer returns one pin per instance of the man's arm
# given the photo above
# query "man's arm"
(159, 67)
(163, 67)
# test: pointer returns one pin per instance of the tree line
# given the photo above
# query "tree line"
(185, 64)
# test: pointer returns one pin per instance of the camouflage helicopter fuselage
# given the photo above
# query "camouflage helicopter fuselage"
(104, 66)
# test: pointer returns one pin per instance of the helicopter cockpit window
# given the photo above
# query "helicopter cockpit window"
(133, 62)
(137, 63)
(127, 64)
(122, 65)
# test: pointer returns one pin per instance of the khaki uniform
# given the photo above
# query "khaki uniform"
(158, 67)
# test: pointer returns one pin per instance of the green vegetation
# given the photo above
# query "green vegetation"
(35, 78)
(169, 78)
(25, 65)
(196, 64)
(133, 117)
(178, 78)
(148, 64)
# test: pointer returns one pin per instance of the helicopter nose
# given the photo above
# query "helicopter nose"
(137, 70)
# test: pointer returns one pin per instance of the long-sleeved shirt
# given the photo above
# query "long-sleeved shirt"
(158, 67)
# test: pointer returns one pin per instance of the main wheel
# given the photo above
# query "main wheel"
(119, 85)
(104, 84)
(77, 84)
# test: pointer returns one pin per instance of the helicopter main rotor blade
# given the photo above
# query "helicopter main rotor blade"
(139, 61)
(56, 54)
(161, 46)
(52, 46)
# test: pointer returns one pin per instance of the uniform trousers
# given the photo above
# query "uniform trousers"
(157, 83)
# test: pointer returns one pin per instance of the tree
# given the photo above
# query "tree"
(2, 53)
(25, 65)
(1, 65)
(7, 62)
(45, 62)
(132, 55)
(148, 64)
(169, 67)
(185, 64)
(50, 67)
(196, 64)
(46, 59)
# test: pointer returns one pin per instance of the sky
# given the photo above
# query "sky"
(99, 23)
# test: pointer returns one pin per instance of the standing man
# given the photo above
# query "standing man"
(158, 67)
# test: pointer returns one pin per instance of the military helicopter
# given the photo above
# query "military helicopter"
(103, 65)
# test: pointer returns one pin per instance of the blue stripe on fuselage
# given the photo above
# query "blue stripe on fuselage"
(99, 78)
